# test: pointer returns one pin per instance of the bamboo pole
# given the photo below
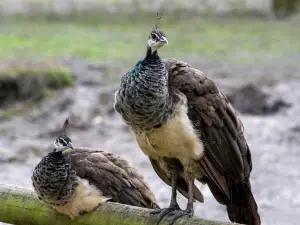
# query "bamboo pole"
(20, 206)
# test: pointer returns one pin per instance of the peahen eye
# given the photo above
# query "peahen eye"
(153, 36)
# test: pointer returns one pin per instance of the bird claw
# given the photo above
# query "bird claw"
(163, 212)
(175, 215)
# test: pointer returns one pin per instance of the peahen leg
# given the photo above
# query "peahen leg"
(189, 211)
(173, 204)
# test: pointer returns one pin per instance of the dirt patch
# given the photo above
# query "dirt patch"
(257, 100)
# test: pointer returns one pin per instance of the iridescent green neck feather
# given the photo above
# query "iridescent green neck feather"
(143, 98)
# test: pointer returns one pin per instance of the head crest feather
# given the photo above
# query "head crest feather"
(66, 123)
(158, 20)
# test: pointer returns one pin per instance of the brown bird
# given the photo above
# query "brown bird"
(78, 180)
(189, 130)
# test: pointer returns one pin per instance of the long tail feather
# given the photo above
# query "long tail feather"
(242, 207)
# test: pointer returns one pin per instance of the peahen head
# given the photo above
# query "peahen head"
(156, 40)
(63, 142)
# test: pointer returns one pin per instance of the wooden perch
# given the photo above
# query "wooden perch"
(20, 206)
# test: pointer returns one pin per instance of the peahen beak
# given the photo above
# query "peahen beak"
(70, 145)
(163, 40)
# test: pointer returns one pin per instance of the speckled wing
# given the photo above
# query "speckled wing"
(220, 129)
(113, 175)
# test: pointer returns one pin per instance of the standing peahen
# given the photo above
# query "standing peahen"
(189, 130)
(78, 180)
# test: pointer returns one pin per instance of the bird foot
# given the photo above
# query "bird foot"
(163, 212)
(175, 215)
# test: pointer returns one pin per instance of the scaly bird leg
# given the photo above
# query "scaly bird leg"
(189, 209)
(173, 204)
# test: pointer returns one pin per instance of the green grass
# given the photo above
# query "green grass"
(45, 73)
(123, 38)
(29, 82)
(23, 84)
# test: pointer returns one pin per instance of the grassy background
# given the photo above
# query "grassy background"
(29, 82)
(122, 38)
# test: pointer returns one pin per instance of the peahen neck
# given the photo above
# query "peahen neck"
(53, 179)
(151, 54)
(144, 101)
(56, 159)
(58, 162)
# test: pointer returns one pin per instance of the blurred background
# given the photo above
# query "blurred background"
(64, 58)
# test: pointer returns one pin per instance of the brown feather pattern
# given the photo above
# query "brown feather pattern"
(206, 100)
(113, 175)
(226, 163)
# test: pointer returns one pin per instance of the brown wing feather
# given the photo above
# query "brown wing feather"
(215, 176)
(182, 185)
(114, 176)
(226, 163)
(215, 119)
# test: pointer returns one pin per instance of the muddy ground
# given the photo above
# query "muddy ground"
(272, 133)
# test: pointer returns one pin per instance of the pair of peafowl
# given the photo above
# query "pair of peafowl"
(187, 128)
